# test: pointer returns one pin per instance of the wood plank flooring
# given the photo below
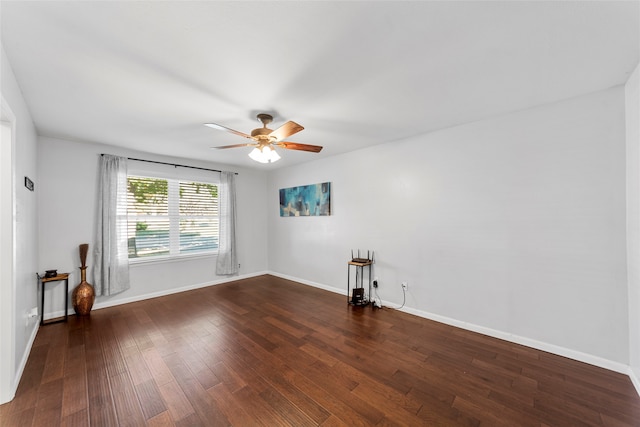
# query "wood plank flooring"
(271, 352)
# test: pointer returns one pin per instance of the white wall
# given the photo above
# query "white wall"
(68, 194)
(513, 226)
(24, 284)
(632, 101)
(7, 286)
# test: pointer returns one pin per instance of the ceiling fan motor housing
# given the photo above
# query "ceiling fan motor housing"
(261, 131)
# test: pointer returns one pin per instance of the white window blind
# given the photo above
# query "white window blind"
(169, 217)
(198, 217)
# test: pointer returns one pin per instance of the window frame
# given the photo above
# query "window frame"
(173, 201)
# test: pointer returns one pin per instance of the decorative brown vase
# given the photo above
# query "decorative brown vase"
(83, 295)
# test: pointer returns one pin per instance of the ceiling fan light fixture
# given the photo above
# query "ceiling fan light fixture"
(265, 154)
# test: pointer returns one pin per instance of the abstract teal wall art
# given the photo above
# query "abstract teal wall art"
(306, 200)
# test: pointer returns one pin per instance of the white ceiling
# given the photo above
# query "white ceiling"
(146, 75)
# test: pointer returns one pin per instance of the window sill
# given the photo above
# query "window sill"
(168, 259)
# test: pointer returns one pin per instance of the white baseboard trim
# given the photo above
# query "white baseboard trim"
(528, 342)
(634, 379)
(310, 283)
(106, 304)
(23, 360)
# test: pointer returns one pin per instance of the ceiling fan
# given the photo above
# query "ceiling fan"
(265, 139)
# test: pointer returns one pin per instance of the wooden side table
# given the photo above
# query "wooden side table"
(44, 281)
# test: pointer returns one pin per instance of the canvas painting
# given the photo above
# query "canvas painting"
(306, 200)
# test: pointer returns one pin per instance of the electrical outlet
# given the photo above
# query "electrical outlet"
(405, 285)
(30, 315)
(375, 283)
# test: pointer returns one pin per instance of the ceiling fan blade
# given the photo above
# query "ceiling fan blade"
(226, 129)
(235, 146)
(301, 147)
(286, 130)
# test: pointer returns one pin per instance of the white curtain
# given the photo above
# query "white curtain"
(227, 262)
(111, 258)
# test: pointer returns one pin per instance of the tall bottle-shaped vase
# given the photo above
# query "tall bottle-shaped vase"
(83, 295)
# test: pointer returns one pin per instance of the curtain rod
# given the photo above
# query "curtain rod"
(174, 164)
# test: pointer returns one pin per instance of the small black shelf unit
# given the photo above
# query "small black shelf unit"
(356, 295)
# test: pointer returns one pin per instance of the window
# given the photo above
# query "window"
(171, 217)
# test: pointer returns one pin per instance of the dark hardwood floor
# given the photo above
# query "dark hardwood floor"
(271, 352)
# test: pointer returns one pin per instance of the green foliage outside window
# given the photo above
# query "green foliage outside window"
(148, 190)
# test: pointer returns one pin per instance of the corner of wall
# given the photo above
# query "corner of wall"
(632, 124)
